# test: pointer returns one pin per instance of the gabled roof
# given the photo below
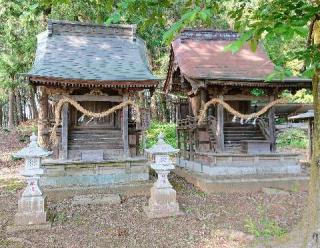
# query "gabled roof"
(73, 53)
(200, 55)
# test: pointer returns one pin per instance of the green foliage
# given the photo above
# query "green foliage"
(264, 226)
(278, 21)
(257, 92)
(301, 96)
(168, 129)
(293, 138)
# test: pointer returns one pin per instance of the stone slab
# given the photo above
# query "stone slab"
(97, 199)
(20, 228)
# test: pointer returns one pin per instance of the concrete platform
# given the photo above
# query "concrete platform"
(211, 184)
(66, 173)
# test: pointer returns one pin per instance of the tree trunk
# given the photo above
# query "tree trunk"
(18, 106)
(1, 115)
(11, 110)
(33, 106)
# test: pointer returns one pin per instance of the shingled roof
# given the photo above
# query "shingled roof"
(73, 53)
(200, 54)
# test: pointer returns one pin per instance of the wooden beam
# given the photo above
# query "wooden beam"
(92, 98)
(241, 97)
(64, 131)
(125, 126)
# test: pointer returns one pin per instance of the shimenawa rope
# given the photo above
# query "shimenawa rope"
(247, 117)
(59, 105)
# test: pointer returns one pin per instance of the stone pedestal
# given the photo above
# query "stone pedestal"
(162, 202)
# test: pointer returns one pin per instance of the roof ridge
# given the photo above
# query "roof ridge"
(208, 34)
(63, 27)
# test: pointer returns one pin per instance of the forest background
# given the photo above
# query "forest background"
(158, 22)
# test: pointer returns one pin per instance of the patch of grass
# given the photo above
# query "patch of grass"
(264, 226)
(78, 220)
(293, 138)
(59, 217)
(177, 185)
(11, 184)
(10, 243)
(295, 187)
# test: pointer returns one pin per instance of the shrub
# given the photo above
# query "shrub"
(293, 138)
(168, 129)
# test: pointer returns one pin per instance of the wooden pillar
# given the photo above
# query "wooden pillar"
(220, 126)
(125, 136)
(64, 131)
(195, 104)
(272, 126)
(203, 97)
(43, 122)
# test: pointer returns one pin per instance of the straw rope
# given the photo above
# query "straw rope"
(59, 105)
(247, 117)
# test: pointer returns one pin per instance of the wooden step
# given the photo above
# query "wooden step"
(94, 147)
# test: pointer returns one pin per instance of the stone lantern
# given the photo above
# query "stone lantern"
(31, 206)
(162, 202)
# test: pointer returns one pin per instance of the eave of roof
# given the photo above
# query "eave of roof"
(55, 81)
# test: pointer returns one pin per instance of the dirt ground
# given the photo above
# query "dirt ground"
(217, 220)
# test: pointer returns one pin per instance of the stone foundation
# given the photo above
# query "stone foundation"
(242, 164)
(73, 173)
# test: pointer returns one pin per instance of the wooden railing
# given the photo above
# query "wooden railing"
(264, 127)
(210, 123)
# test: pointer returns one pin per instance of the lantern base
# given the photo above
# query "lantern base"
(31, 213)
(162, 212)
(21, 228)
(162, 203)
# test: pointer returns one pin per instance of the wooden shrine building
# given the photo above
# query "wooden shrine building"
(98, 67)
(201, 70)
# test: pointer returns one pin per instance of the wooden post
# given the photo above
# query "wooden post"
(272, 126)
(125, 126)
(64, 131)
(220, 126)
(43, 138)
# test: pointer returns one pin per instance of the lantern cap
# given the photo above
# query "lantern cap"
(161, 147)
(33, 150)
